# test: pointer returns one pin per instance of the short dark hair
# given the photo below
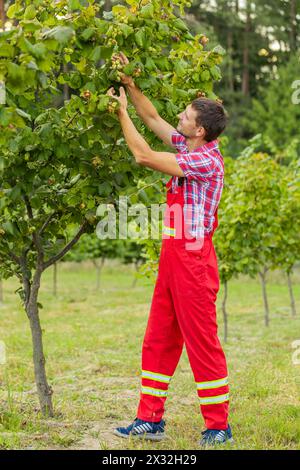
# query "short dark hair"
(211, 115)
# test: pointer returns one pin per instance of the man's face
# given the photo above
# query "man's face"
(187, 123)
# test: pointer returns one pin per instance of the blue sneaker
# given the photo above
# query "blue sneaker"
(143, 429)
(213, 437)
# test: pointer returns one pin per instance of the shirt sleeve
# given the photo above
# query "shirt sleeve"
(196, 165)
(178, 141)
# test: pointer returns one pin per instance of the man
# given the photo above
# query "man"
(183, 309)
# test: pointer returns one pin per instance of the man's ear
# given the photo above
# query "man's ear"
(201, 132)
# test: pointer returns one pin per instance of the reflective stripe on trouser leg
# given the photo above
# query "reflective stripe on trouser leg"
(162, 347)
(214, 400)
(170, 231)
(210, 384)
(146, 374)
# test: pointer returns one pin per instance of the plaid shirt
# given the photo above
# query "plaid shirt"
(203, 185)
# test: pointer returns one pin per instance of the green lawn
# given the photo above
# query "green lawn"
(93, 343)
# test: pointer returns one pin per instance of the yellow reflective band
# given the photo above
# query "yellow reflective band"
(146, 374)
(169, 231)
(214, 400)
(212, 384)
(154, 391)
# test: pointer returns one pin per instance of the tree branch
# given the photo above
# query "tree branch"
(72, 118)
(15, 258)
(25, 279)
(46, 223)
(35, 236)
(115, 143)
(67, 248)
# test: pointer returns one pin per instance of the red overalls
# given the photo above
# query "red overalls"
(183, 311)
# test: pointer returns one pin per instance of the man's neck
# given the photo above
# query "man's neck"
(193, 144)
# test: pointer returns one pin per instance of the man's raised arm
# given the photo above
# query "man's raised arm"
(145, 109)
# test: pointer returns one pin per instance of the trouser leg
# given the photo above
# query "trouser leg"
(162, 348)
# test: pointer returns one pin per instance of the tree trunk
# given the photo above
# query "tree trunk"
(43, 389)
(293, 305)
(99, 270)
(293, 32)
(136, 265)
(55, 279)
(2, 15)
(66, 89)
(230, 60)
(264, 289)
(225, 317)
(246, 54)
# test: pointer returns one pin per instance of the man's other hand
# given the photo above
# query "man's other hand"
(125, 79)
(122, 99)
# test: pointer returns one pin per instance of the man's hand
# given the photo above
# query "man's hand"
(125, 79)
(122, 99)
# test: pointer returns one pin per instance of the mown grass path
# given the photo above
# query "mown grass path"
(93, 344)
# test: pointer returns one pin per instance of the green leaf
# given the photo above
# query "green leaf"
(87, 33)
(119, 9)
(179, 24)
(62, 34)
(6, 50)
(142, 195)
(10, 227)
(150, 64)
(38, 50)
(12, 10)
(100, 52)
(74, 5)
(104, 189)
(103, 103)
(219, 50)
(129, 68)
(30, 12)
(163, 29)
(140, 37)
(126, 29)
(102, 25)
(31, 25)
(215, 72)
(23, 114)
(147, 11)
(180, 67)
(205, 76)
(15, 72)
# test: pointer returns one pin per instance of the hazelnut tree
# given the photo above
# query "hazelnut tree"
(60, 159)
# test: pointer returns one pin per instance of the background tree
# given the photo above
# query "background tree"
(258, 37)
(256, 231)
(274, 114)
(132, 253)
(288, 251)
(227, 255)
(92, 248)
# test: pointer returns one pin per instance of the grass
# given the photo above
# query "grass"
(92, 345)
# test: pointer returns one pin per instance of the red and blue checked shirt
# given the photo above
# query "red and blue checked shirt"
(203, 169)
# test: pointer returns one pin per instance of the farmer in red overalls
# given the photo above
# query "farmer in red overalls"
(183, 309)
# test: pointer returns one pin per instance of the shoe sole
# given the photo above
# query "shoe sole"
(229, 441)
(146, 436)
